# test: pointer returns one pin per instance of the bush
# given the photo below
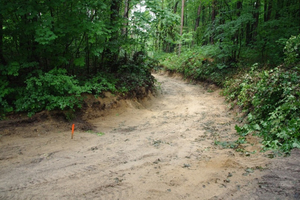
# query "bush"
(52, 90)
(271, 100)
(274, 109)
(136, 73)
(101, 83)
(5, 91)
(292, 51)
(203, 63)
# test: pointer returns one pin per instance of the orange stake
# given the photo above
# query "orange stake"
(73, 126)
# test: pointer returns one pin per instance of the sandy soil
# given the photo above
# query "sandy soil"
(160, 148)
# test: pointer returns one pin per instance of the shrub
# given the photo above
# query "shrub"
(271, 99)
(202, 63)
(5, 91)
(52, 90)
(275, 109)
(100, 83)
(292, 51)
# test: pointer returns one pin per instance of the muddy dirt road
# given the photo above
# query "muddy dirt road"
(161, 148)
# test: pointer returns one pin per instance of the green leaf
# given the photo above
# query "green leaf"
(256, 127)
(79, 62)
(13, 69)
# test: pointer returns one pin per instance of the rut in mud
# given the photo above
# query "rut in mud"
(162, 148)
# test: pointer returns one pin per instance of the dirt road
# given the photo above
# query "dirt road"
(161, 148)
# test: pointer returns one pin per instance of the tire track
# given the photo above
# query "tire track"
(110, 192)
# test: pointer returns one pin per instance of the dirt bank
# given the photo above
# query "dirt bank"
(161, 148)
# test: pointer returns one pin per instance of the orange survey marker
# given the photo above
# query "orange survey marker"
(73, 126)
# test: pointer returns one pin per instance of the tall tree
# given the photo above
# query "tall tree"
(2, 59)
(113, 50)
(175, 7)
(256, 17)
(126, 15)
(181, 26)
(198, 17)
(213, 19)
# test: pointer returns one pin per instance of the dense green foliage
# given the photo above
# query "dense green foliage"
(201, 63)
(251, 30)
(251, 48)
(271, 97)
(51, 90)
(52, 52)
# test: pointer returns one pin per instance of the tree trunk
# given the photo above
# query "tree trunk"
(175, 7)
(256, 17)
(239, 5)
(267, 10)
(198, 17)
(248, 33)
(197, 22)
(203, 14)
(278, 6)
(114, 8)
(236, 35)
(87, 52)
(181, 27)
(126, 13)
(240, 36)
(2, 60)
(213, 18)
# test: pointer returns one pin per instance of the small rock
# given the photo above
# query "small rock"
(94, 148)
(227, 180)
(249, 170)
(157, 161)
(186, 165)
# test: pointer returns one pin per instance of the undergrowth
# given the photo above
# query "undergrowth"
(204, 63)
(271, 100)
(57, 90)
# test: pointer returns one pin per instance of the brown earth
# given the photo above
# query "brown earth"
(160, 148)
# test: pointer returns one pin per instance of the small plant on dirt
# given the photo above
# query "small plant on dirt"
(70, 115)
(96, 133)
(100, 133)
(157, 86)
(231, 144)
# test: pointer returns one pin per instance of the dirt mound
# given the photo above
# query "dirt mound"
(43, 122)
(46, 121)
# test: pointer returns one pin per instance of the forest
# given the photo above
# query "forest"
(54, 52)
